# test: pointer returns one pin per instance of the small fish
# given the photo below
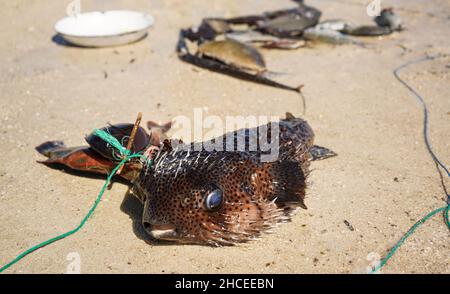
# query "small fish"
(335, 25)
(329, 36)
(266, 41)
(367, 30)
(250, 36)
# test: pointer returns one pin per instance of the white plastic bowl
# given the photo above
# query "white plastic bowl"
(104, 29)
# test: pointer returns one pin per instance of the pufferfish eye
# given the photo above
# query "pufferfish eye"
(214, 200)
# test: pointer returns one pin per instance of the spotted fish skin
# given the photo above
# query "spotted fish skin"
(256, 195)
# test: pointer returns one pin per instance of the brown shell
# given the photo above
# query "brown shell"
(234, 53)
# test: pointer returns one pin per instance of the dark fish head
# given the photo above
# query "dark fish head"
(217, 198)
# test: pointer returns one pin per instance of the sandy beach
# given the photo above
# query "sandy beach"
(359, 203)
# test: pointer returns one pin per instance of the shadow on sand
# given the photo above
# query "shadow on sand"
(132, 206)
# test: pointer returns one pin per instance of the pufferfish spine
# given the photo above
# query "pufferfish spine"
(256, 195)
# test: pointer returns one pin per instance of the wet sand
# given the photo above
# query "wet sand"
(382, 181)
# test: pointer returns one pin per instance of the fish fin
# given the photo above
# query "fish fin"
(165, 127)
(289, 116)
(49, 147)
(289, 183)
(319, 153)
(158, 132)
(272, 74)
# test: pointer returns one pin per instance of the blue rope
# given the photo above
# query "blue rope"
(425, 110)
(438, 162)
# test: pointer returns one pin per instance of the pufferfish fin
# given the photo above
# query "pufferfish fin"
(290, 116)
(288, 183)
(320, 153)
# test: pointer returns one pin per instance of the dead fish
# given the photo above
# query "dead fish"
(234, 53)
(329, 36)
(212, 197)
(388, 18)
(266, 41)
(250, 36)
(366, 31)
(334, 24)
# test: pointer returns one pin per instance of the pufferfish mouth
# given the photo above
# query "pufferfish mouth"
(161, 231)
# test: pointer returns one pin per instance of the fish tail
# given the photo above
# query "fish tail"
(50, 147)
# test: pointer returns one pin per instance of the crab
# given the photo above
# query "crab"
(101, 158)
(229, 45)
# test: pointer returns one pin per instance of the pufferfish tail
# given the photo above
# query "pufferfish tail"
(288, 184)
(276, 190)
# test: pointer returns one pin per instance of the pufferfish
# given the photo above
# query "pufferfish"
(192, 194)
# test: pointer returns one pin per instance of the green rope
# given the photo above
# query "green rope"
(108, 138)
(126, 153)
(409, 233)
(446, 217)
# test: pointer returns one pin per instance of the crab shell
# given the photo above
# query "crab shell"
(234, 53)
(100, 157)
